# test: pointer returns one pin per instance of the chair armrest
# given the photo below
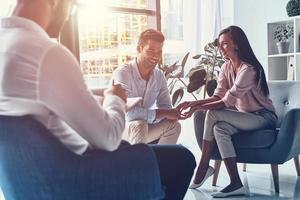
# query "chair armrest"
(287, 144)
(127, 173)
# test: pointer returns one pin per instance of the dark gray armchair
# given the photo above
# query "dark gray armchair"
(267, 146)
(34, 165)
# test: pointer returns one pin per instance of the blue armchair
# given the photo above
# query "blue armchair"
(267, 146)
(35, 165)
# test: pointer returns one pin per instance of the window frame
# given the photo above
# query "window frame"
(70, 33)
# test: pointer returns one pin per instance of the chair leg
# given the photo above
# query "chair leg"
(244, 167)
(275, 175)
(217, 170)
(296, 161)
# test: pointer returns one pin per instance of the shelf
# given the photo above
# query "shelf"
(284, 66)
(281, 55)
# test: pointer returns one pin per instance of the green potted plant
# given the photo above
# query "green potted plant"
(293, 8)
(204, 75)
(282, 35)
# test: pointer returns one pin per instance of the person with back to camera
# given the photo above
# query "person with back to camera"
(41, 78)
(241, 85)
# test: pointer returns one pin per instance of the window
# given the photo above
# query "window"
(108, 33)
(7, 7)
(172, 28)
(189, 25)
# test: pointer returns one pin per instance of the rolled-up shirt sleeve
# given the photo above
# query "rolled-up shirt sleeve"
(244, 82)
(222, 86)
(163, 99)
(124, 77)
(141, 113)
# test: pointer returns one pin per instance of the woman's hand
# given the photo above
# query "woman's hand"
(189, 112)
(184, 105)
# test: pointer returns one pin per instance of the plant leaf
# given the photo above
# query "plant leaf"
(193, 70)
(178, 73)
(177, 96)
(215, 43)
(209, 51)
(169, 69)
(184, 60)
(172, 86)
(195, 85)
(211, 86)
(197, 56)
(211, 45)
(197, 79)
(198, 75)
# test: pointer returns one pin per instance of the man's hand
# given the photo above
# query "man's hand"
(187, 112)
(184, 105)
(171, 114)
(116, 90)
(188, 108)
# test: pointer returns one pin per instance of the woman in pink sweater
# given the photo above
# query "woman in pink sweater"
(240, 102)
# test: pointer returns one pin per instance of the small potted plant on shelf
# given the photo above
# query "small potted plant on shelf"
(282, 34)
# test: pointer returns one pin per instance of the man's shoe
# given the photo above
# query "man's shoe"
(210, 171)
(237, 192)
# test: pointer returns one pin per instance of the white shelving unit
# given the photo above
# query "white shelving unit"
(284, 66)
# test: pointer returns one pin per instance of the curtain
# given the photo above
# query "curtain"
(202, 22)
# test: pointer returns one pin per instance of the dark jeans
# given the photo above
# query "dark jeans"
(176, 166)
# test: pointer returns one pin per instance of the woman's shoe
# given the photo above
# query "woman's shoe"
(237, 192)
(210, 171)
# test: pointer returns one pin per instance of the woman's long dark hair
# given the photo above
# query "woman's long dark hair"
(247, 55)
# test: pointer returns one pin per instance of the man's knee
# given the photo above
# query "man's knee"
(177, 127)
(138, 124)
(171, 128)
(137, 131)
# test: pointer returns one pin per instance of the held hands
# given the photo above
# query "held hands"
(184, 105)
(116, 90)
(187, 109)
(172, 114)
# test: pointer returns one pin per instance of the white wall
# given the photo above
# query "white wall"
(252, 16)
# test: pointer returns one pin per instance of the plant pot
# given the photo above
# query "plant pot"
(283, 47)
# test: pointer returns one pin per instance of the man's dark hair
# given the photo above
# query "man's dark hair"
(150, 34)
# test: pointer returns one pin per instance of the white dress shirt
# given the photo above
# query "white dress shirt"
(43, 79)
(154, 92)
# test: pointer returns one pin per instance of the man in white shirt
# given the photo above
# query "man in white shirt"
(43, 79)
(154, 119)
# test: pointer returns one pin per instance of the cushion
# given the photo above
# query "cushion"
(254, 139)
